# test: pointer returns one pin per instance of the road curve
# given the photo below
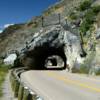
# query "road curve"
(61, 85)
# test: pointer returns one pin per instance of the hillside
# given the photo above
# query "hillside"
(81, 16)
(14, 37)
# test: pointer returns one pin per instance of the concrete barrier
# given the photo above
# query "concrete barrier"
(20, 89)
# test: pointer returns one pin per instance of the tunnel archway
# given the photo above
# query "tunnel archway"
(54, 62)
(35, 59)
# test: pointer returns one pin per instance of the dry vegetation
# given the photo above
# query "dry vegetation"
(3, 72)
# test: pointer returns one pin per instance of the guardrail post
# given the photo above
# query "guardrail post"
(25, 94)
(33, 96)
(20, 92)
(12, 80)
(16, 88)
(13, 83)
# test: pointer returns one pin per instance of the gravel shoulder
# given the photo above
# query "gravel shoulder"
(7, 91)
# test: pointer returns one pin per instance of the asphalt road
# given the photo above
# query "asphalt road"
(61, 85)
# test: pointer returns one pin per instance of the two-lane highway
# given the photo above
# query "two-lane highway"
(60, 85)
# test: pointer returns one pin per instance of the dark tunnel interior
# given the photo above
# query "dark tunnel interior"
(39, 55)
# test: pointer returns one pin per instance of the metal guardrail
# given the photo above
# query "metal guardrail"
(20, 89)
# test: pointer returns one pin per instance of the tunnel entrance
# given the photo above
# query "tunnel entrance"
(54, 61)
(45, 58)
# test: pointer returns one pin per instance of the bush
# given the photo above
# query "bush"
(75, 70)
(35, 24)
(73, 16)
(88, 21)
(98, 72)
(47, 13)
(96, 9)
(85, 5)
(84, 27)
(30, 23)
(90, 16)
(57, 7)
(84, 69)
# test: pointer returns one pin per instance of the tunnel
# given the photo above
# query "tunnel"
(36, 58)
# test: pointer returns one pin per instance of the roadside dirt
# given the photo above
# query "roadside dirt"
(7, 91)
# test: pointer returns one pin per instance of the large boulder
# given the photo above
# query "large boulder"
(9, 60)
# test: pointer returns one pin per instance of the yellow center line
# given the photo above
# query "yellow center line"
(66, 80)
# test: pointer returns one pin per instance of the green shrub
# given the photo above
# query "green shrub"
(30, 23)
(88, 21)
(84, 69)
(90, 16)
(47, 13)
(75, 70)
(85, 26)
(57, 7)
(85, 5)
(73, 16)
(96, 9)
(35, 24)
(98, 73)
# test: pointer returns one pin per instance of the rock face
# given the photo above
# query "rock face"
(57, 41)
(60, 39)
(10, 59)
(15, 36)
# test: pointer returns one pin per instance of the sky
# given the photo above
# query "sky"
(19, 11)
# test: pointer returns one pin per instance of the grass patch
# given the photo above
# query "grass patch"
(88, 21)
(73, 16)
(96, 9)
(3, 72)
(85, 5)
(98, 72)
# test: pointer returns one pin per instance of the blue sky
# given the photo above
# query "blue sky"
(18, 11)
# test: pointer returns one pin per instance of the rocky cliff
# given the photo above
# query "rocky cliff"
(80, 22)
